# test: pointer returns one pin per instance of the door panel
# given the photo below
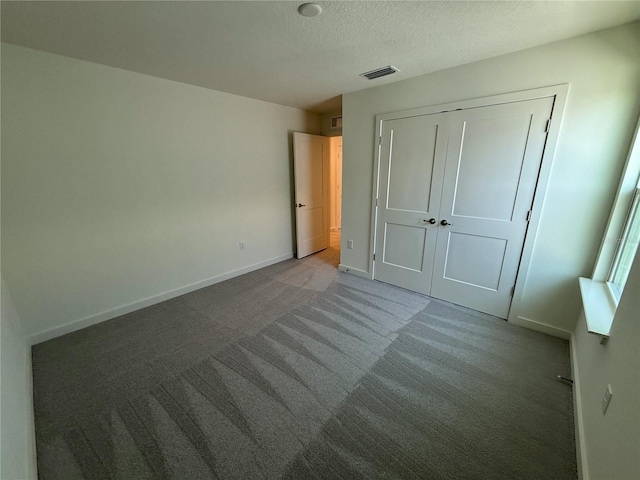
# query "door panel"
(404, 246)
(493, 159)
(310, 221)
(411, 164)
(463, 265)
(489, 166)
(311, 171)
(412, 155)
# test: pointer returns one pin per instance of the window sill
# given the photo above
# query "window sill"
(598, 306)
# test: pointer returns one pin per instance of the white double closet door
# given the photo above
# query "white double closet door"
(455, 191)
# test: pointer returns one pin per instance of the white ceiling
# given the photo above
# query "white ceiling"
(266, 50)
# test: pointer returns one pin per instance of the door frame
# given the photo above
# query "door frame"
(560, 93)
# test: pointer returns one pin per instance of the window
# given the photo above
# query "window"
(602, 292)
(627, 247)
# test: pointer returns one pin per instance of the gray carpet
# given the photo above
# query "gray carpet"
(298, 371)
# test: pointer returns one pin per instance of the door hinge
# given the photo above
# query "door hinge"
(529, 216)
(374, 257)
(546, 129)
(513, 290)
(376, 202)
(379, 140)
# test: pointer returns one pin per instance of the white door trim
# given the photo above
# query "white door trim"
(560, 93)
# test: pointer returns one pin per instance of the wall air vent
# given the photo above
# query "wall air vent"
(379, 72)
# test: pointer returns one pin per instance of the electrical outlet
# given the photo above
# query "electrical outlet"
(241, 245)
(350, 244)
(606, 399)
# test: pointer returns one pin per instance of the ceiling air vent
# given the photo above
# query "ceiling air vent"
(380, 72)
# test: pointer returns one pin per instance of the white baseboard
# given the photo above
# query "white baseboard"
(146, 302)
(355, 271)
(581, 452)
(541, 327)
(583, 472)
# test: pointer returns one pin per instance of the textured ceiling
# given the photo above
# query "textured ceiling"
(266, 50)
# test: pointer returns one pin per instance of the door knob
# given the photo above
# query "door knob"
(301, 205)
(431, 221)
(444, 223)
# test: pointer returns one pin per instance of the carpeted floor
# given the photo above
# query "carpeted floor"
(298, 371)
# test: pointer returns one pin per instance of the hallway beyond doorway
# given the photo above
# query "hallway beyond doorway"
(329, 257)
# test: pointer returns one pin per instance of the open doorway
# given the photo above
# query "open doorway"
(330, 256)
(335, 188)
(318, 193)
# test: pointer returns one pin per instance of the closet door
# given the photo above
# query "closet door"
(412, 159)
(492, 163)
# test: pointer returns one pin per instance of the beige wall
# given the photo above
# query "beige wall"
(602, 109)
(611, 442)
(327, 129)
(17, 434)
(119, 187)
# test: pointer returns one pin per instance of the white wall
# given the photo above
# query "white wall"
(602, 109)
(17, 441)
(17, 433)
(117, 186)
(611, 442)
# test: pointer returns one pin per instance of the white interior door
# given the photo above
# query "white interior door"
(411, 169)
(473, 173)
(311, 172)
(493, 160)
